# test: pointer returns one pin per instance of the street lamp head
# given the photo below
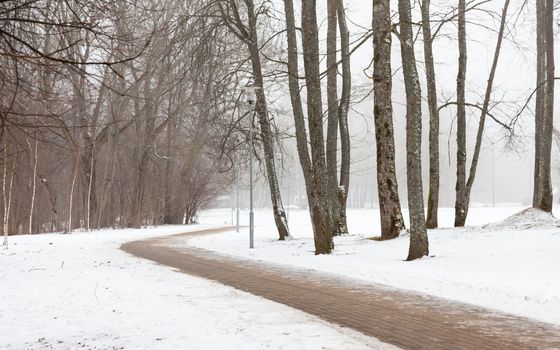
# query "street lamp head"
(250, 94)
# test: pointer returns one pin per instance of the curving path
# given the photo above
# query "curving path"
(405, 319)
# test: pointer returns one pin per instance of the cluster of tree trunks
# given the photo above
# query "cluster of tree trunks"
(327, 201)
(106, 101)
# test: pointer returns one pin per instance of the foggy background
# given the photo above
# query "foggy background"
(505, 169)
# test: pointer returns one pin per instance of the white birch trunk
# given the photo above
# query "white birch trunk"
(34, 184)
(71, 201)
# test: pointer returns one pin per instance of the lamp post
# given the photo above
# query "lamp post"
(493, 178)
(288, 207)
(251, 100)
(237, 191)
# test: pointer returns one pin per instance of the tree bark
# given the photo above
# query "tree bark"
(172, 215)
(72, 187)
(392, 222)
(343, 108)
(33, 183)
(544, 111)
(461, 205)
(332, 110)
(418, 234)
(5, 215)
(433, 191)
(539, 103)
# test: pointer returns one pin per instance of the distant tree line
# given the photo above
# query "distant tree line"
(112, 113)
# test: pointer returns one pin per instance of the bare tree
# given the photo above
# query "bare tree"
(418, 235)
(337, 113)
(332, 106)
(7, 186)
(544, 111)
(343, 109)
(433, 191)
(463, 197)
(461, 205)
(33, 181)
(392, 222)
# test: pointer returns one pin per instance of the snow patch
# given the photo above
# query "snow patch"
(526, 219)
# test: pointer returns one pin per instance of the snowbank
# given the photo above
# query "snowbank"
(526, 219)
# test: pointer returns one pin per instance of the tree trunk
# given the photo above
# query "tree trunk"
(72, 187)
(172, 213)
(91, 193)
(55, 221)
(392, 222)
(418, 235)
(33, 183)
(343, 108)
(332, 112)
(146, 151)
(461, 205)
(433, 191)
(544, 111)
(5, 215)
(540, 104)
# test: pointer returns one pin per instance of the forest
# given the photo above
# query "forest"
(124, 114)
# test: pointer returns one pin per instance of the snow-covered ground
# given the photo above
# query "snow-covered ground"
(80, 291)
(512, 266)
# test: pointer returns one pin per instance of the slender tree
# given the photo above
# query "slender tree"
(460, 186)
(332, 107)
(343, 108)
(34, 180)
(337, 113)
(544, 111)
(433, 191)
(418, 235)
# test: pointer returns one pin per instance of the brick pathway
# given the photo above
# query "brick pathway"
(405, 319)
